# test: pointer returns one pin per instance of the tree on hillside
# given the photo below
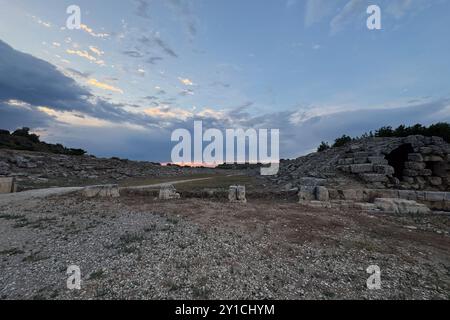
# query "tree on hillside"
(323, 146)
(342, 141)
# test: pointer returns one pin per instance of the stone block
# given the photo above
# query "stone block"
(409, 180)
(434, 196)
(410, 173)
(415, 157)
(401, 206)
(384, 169)
(447, 196)
(407, 195)
(345, 168)
(420, 195)
(361, 168)
(353, 195)
(316, 204)
(103, 191)
(361, 154)
(307, 193)
(7, 185)
(365, 206)
(334, 194)
(377, 160)
(168, 193)
(322, 194)
(360, 160)
(415, 165)
(425, 172)
(374, 177)
(425, 150)
(385, 193)
(345, 161)
(237, 194)
(435, 181)
(433, 158)
(311, 181)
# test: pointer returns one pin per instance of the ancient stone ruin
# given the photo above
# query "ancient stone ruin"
(415, 162)
(8, 185)
(168, 192)
(104, 191)
(237, 194)
(403, 170)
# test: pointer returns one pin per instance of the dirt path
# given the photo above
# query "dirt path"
(43, 193)
(158, 185)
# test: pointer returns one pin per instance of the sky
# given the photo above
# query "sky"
(139, 69)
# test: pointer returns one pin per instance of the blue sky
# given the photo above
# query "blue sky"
(138, 69)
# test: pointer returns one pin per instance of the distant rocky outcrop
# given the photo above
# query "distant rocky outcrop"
(22, 139)
(39, 169)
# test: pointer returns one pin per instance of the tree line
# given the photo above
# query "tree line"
(441, 129)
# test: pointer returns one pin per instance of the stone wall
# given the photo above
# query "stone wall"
(415, 162)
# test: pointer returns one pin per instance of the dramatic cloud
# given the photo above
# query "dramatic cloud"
(35, 93)
(37, 83)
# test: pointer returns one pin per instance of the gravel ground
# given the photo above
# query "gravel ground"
(139, 248)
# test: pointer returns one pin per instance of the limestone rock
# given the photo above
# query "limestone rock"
(378, 160)
(310, 181)
(415, 165)
(322, 194)
(361, 168)
(401, 206)
(435, 181)
(374, 177)
(237, 194)
(103, 191)
(307, 193)
(435, 196)
(168, 193)
(8, 185)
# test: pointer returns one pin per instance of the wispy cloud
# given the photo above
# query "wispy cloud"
(104, 86)
(186, 81)
(84, 54)
(351, 10)
(92, 33)
(97, 51)
(316, 10)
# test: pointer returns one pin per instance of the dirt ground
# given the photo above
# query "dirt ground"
(137, 247)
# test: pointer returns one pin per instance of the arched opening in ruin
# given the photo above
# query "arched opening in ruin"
(398, 157)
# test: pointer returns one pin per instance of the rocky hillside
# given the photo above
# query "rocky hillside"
(22, 139)
(38, 169)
